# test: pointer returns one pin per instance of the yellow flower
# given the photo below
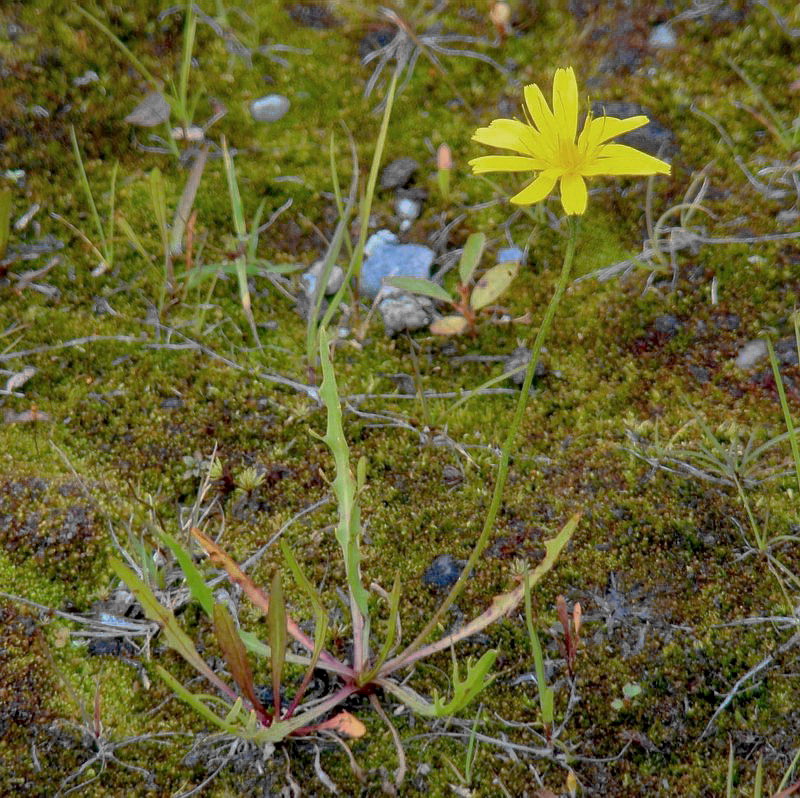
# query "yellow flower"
(547, 145)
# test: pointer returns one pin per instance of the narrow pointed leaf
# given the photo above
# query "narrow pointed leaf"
(492, 284)
(198, 588)
(348, 530)
(419, 285)
(276, 625)
(175, 637)
(235, 654)
(471, 257)
(391, 631)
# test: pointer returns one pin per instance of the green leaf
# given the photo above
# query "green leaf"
(470, 257)
(175, 637)
(492, 284)
(348, 530)
(419, 285)
(449, 325)
(277, 636)
(391, 632)
(464, 690)
(233, 650)
(198, 588)
(631, 690)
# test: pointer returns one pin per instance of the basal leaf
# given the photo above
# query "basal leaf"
(492, 284)
(449, 325)
(419, 285)
(471, 257)
(276, 630)
(235, 655)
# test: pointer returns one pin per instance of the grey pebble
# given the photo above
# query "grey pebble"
(751, 354)
(663, 37)
(399, 172)
(406, 312)
(269, 108)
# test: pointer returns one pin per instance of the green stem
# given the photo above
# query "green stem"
(505, 456)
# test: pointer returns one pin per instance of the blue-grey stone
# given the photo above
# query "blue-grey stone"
(387, 258)
(443, 571)
(510, 255)
(270, 108)
(663, 37)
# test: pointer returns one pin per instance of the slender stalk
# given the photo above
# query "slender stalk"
(502, 472)
(787, 415)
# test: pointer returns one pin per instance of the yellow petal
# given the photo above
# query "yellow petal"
(508, 134)
(618, 159)
(541, 115)
(565, 103)
(573, 194)
(599, 130)
(538, 190)
(506, 163)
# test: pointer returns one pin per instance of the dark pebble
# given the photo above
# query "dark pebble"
(110, 646)
(667, 324)
(172, 403)
(315, 15)
(700, 374)
(443, 571)
(727, 321)
(399, 172)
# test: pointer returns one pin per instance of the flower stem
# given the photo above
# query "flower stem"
(505, 455)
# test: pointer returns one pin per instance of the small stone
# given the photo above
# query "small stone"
(172, 403)
(521, 356)
(452, 475)
(510, 255)
(270, 108)
(443, 571)
(399, 172)
(407, 209)
(727, 321)
(788, 217)
(387, 258)
(89, 76)
(406, 313)
(152, 111)
(786, 351)
(667, 324)
(700, 374)
(663, 37)
(315, 15)
(335, 279)
(751, 354)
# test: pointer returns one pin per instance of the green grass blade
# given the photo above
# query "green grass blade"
(87, 190)
(189, 31)
(787, 415)
(366, 204)
(545, 692)
(134, 61)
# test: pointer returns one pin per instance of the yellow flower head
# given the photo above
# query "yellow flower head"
(547, 145)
